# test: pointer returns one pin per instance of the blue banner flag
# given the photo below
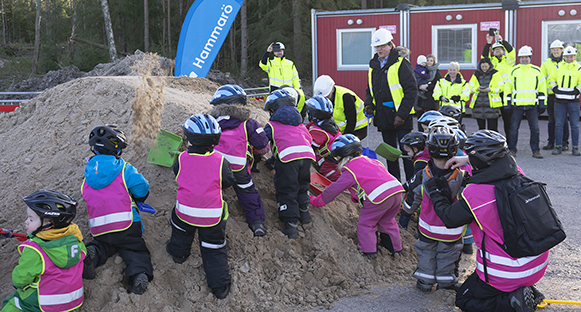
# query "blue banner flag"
(203, 32)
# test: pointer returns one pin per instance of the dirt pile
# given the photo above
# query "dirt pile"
(44, 145)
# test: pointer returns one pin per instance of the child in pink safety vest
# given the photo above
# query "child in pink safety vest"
(323, 131)
(499, 282)
(438, 248)
(377, 192)
(112, 188)
(291, 146)
(48, 276)
(202, 174)
(240, 135)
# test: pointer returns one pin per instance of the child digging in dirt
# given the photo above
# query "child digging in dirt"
(323, 131)
(291, 147)
(202, 174)
(111, 189)
(48, 276)
(239, 134)
(372, 187)
(438, 247)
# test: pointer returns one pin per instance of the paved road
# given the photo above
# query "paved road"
(562, 281)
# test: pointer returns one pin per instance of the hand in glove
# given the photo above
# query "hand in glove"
(355, 199)
(576, 91)
(541, 110)
(369, 110)
(317, 201)
(438, 187)
(444, 99)
(398, 121)
(455, 98)
(404, 219)
(5, 233)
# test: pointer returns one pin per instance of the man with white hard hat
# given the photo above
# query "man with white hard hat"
(524, 92)
(391, 93)
(347, 106)
(547, 68)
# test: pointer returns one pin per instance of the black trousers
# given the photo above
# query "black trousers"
(477, 296)
(131, 248)
(212, 247)
(291, 183)
(506, 114)
(492, 124)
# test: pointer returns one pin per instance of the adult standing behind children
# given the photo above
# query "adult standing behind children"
(391, 94)
(566, 84)
(452, 89)
(240, 133)
(428, 103)
(347, 106)
(291, 146)
(202, 175)
(500, 282)
(486, 83)
(48, 276)
(524, 91)
(111, 189)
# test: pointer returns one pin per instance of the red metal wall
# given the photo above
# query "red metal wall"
(327, 26)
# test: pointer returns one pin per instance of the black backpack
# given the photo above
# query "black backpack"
(529, 222)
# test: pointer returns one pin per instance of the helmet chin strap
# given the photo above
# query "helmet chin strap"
(40, 228)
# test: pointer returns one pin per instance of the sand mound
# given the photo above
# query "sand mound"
(44, 145)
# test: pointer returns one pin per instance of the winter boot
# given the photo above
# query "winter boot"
(557, 151)
(89, 263)
(269, 163)
(290, 230)
(539, 297)
(468, 249)
(221, 292)
(371, 255)
(176, 259)
(548, 147)
(523, 300)
(305, 217)
(423, 286)
(257, 228)
(576, 151)
(140, 282)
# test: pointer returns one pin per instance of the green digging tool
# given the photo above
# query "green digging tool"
(389, 152)
(165, 149)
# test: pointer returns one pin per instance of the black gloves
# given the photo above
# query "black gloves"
(576, 91)
(541, 110)
(455, 98)
(438, 187)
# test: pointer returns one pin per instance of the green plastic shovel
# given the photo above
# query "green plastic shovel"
(388, 152)
(165, 149)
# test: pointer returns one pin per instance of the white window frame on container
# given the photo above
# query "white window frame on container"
(545, 44)
(364, 65)
(475, 53)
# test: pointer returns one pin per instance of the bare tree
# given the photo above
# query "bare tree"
(168, 26)
(244, 40)
(36, 39)
(146, 25)
(109, 30)
(363, 4)
(297, 29)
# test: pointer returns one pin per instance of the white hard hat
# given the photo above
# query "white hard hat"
(381, 37)
(569, 51)
(421, 59)
(557, 44)
(281, 45)
(525, 51)
(497, 45)
(293, 92)
(323, 85)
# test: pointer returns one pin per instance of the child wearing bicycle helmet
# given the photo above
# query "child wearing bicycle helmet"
(374, 189)
(323, 131)
(241, 138)
(426, 118)
(202, 174)
(438, 248)
(111, 189)
(48, 276)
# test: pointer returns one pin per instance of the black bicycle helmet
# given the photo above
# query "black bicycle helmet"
(59, 208)
(414, 139)
(486, 145)
(451, 111)
(442, 142)
(108, 140)
(346, 145)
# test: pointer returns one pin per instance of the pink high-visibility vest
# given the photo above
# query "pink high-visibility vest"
(109, 208)
(58, 289)
(374, 182)
(505, 273)
(323, 149)
(234, 146)
(199, 197)
(291, 142)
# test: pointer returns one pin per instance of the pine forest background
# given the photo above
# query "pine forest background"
(43, 35)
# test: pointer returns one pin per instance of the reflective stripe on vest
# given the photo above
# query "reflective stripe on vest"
(281, 71)
(291, 142)
(199, 197)
(234, 146)
(339, 109)
(373, 180)
(525, 83)
(324, 150)
(393, 79)
(504, 272)
(431, 226)
(110, 208)
(58, 289)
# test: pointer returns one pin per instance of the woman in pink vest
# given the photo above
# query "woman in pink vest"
(202, 174)
(501, 283)
(49, 274)
(372, 187)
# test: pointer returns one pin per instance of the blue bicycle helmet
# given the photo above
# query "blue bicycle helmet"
(319, 107)
(229, 94)
(277, 99)
(442, 142)
(202, 129)
(107, 140)
(428, 116)
(59, 208)
(346, 145)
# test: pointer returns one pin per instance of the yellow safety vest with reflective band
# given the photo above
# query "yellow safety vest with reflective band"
(339, 110)
(448, 89)
(395, 87)
(281, 71)
(526, 86)
(495, 85)
(566, 78)
(547, 68)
